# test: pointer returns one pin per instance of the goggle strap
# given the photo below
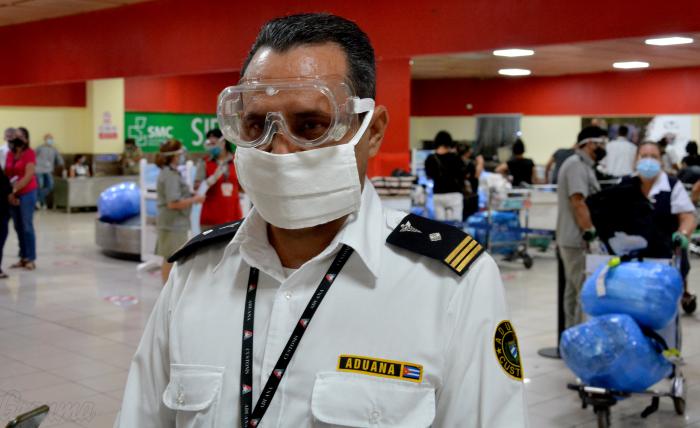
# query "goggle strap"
(362, 105)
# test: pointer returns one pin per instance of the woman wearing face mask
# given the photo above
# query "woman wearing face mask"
(218, 174)
(673, 211)
(20, 167)
(174, 203)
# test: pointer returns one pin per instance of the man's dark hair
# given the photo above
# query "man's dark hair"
(443, 138)
(590, 132)
(130, 141)
(518, 147)
(691, 148)
(623, 131)
(216, 133)
(283, 34)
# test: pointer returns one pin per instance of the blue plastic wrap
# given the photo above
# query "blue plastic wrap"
(611, 352)
(504, 230)
(119, 202)
(648, 292)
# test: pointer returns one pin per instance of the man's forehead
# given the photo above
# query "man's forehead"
(311, 60)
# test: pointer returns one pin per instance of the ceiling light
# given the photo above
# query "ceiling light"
(669, 41)
(626, 65)
(513, 52)
(514, 72)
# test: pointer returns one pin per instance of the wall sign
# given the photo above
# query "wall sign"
(151, 129)
(107, 130)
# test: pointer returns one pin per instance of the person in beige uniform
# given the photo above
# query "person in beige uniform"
(322, 307)
(174, 203)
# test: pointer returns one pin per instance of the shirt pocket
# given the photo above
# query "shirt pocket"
(354, 400)
(193, 392)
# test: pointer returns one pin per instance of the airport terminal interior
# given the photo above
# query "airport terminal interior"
(529, 126)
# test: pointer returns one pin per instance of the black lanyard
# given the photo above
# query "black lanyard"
(249, 419)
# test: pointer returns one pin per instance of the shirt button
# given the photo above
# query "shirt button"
(288, 295)
(374, 417)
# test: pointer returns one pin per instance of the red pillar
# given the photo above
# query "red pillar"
(393, 92)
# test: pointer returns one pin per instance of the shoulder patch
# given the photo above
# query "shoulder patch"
(451, 245)
(216, 235)
(505, 345)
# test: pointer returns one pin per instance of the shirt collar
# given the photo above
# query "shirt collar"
(585, 158)
(362, 231)
(661, 184)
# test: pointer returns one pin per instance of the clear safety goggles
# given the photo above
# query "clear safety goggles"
(309, 112)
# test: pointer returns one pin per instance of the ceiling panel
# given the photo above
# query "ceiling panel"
(18, 11)
(555, 60)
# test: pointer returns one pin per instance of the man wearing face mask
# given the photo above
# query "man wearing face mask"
(576, 181)
(323, 307)
(47, 159)
(219, 183)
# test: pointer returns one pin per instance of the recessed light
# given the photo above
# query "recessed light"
(669, 41)
(626, 65)
(514, 72)
(511, 53)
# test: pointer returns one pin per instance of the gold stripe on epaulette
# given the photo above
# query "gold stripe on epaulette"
(457, 249)
(464, 253)
(469, 258)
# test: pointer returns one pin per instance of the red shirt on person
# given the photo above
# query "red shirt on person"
(15, 169)
(222, 204)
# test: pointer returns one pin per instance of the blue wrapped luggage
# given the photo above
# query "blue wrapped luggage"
(119, 202)
(504, 229)
(611, 352)
(648, 292)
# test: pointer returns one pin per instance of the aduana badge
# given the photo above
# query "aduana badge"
(505, 344)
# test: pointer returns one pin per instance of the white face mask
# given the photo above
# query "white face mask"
(302, 189)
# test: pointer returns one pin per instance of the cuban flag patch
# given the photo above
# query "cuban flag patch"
(411, 372)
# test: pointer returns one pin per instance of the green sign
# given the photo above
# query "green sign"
(151, 129)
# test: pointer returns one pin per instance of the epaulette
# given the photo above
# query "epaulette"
(452, 246)
(222, 233)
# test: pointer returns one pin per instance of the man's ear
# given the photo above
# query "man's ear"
(377, 128)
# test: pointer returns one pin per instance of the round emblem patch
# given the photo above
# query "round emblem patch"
(505, 344)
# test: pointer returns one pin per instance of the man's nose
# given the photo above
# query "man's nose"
(281, 145)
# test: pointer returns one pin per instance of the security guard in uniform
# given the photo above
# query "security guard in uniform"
(322, 308)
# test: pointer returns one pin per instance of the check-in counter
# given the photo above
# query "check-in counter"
(82, 192)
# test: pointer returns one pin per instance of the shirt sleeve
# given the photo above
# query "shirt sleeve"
(481, 389)
(577, 179)
(201, 173)
(680, 201)
(149, 372)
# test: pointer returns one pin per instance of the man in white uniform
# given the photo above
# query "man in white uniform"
(621, 155)
(322, 308)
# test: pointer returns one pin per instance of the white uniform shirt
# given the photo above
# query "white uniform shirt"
(387, 303)
(680, 201)
(620, 158)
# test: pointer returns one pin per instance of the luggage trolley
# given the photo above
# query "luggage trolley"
(602, 399)
(504, 227)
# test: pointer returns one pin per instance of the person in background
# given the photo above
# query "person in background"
(473, 169)
(5, 192)
(130, 158)
(174, 203)
(218, 174)
(576, 181)
(47, 159)
(673, 214)
(23, 134)
(692, 158)
(10, 134)
(80, 167)
(448, 173)
(669, 160)
(551, 170)
(521, 169)
(622, 154)
(20, 169)
(695, 193)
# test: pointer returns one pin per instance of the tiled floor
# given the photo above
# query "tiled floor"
(62, 343)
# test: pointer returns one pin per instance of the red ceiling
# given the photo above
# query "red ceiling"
(60, 95)
(183, 37)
